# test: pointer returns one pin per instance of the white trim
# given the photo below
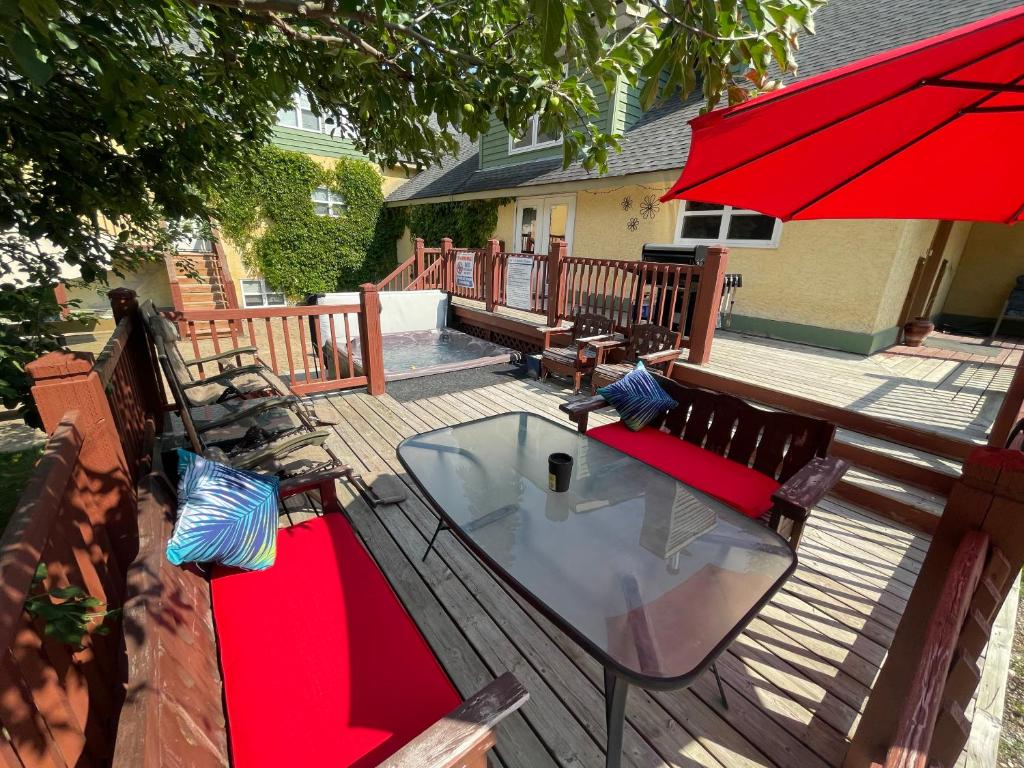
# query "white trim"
(534, 127)
(725, 213)
(335, 202)
(264, 292)
(543, 206)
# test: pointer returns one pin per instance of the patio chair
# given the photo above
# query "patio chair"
(253, 380)
(573, 355)
(653, 345)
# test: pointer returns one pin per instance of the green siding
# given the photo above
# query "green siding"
(494, 144)
(830, 338)
(313, 143)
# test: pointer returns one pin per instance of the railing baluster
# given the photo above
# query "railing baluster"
(319, 346)
(195, 346)
(288, 349)
(273, 347)
(348, 346)
(304, 350)
(677, 275)
(663, 291)
(213, 335)
(334, 346)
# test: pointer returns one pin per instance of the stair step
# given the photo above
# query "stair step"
(927, 471)
(897, 499)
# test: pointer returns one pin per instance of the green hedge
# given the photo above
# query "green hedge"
(469, 223)
(267, 211)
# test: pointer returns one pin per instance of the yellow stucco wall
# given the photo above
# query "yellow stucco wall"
(953, 254)
(149, 281)
(992, 258)
(844, 275)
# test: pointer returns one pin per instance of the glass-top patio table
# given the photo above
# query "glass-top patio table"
(651, 577)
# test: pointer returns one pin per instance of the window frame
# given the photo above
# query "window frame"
(534, 128)
(296, 109)
(195, 236)
(264, 292)
(331, 203)
(726, 213)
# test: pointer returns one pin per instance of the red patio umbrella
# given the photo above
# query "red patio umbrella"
(933, 130)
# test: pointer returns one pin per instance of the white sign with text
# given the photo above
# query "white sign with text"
(518, 282)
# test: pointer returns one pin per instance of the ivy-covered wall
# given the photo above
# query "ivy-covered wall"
(266, 210)
(469, 223)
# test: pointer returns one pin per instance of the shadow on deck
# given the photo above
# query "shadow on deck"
(797, 679)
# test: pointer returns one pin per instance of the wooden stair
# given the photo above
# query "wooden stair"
(200, 285)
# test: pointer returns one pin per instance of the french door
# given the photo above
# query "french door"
(542, 220)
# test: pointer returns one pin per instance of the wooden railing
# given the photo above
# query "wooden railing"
(311, 346)
(59, 704)
(683, 298)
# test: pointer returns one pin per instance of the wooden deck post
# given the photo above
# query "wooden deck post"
(989, 497)
(66, 381)
(124, 302)
(555, 258)
(447, 265)
(490, 254)
(705, 310)
(1011, 410)
(419, 264)
(60, 294)
(370, 338)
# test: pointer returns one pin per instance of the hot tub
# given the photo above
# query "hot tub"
(408, 354)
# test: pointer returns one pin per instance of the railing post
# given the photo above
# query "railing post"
(370, 338)
(490, 254)
(989, 497)
(420, 263)
(705, 310)
(447, 264)
(65, 381)
(124, 302)
(555, 258)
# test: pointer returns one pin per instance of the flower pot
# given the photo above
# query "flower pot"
(916, 331)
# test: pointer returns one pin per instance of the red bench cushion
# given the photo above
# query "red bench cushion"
(742, 488)
(321, 663)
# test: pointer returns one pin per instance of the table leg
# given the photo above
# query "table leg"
(615, 690)
(440, 526)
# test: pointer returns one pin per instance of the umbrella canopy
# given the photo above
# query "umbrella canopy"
(933, 130)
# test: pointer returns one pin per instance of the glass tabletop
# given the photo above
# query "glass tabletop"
(649, 575)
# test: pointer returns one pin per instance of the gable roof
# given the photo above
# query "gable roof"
(848, 30)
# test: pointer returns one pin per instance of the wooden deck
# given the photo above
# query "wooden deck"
(932, 390)
(797, 678)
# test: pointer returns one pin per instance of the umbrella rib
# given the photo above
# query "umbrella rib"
(743, 109)
(840, 119)
(1016, 214)
(888, 155)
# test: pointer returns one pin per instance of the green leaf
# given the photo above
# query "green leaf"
(30, 60)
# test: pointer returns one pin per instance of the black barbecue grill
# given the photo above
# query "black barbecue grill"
(692, 255)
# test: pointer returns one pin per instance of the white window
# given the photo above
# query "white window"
(301, 115)
(192, 237)
(531, 137)
(256, 294)
(713, 224)
(327, 202)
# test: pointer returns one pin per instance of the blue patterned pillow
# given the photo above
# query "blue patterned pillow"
(225, 515)
(637, 398)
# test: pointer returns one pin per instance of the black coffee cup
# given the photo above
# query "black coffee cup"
(559, 471)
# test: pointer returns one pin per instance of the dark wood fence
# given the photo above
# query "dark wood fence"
(59, 705)
(681, 297)
(310, 346)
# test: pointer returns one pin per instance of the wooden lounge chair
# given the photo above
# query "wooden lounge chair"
(231, 382)
(654, 345)
(566, 349)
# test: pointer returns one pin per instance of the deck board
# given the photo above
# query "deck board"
(797, 677)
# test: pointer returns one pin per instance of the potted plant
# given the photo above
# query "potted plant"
(916, 331)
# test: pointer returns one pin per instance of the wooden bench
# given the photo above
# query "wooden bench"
(769, 465)
(318, 633)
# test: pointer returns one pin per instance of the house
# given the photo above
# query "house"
(847, 285)
(208, 272)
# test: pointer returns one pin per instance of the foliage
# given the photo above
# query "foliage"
(469, 223)
(68, 613)
(119, 116)
(22, 340)
(266, 209)
(15, 468)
